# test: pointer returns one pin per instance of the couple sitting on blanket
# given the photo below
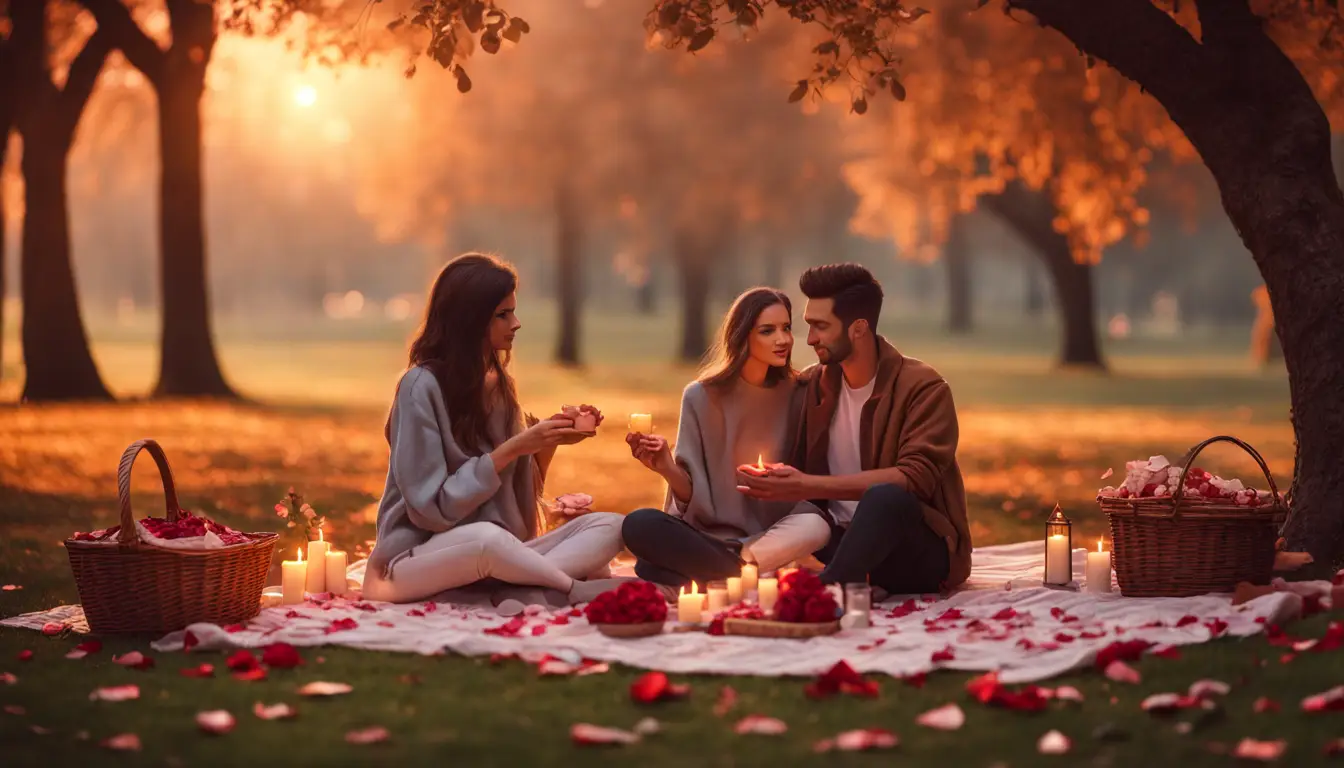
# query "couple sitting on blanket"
(872, 485)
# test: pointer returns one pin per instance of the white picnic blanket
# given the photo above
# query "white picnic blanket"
(1047, 632)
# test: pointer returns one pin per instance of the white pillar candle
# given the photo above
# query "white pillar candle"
(769, 592)
(335, 572)
(718, 599)
(1058, 560)
(1099, 570)
(734, 589)
(690, 605)
(748, 577)
(292, 578)
(641, 423)
(317, 558)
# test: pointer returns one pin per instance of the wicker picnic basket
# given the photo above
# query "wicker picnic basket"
(1179, 545)
(131, 586)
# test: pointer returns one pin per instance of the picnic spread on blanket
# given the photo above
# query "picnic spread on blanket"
(1191, 558)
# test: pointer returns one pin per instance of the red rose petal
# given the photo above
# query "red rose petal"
(858, 740)
(916, 680)
(946, 654)
(15, 709)
(189, 641)
(251, 675)
(204, 670)
(1167, 652)
(8, 678)
(1250, 749)
(281, 656)
(371, 735)
(242, 661)
(1005, 614)
(341, 625)
(538, 630)
(1329, 701)
(1187, 620)
(654, 686)
(215, 721)
(1265, 704)
(116, 693)
(1121, 672)
(841, 678)
(52, 628)
(10, 588)
(24, 655)
(510, 628)
(1216, 627)
(1124, 650)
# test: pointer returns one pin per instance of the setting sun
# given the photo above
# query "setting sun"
(305, 95)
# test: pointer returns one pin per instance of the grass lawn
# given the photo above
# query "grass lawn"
(1030, 437)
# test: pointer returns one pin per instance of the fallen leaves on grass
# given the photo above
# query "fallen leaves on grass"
(371, 735)
(841, 678)
(1053, 743)
(323, 688)
(134, 660)
(1265, 751)
(655, 686)
(281, 711)
(123, 742)
(204, 670)
(726, 701)
(588, 734)
(116, 693)
(760, 725)
(216, 721)
(948, 717)
(858, 740)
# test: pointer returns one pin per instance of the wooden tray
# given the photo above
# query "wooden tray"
(765, 628)
(647, 629)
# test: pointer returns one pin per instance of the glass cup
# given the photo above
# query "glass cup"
(859, 600)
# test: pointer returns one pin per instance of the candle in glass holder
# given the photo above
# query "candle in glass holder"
(690, 605)
(1099, 570)
(641, 423)
(335, 563)
(749, 572)
(292, 577)
(768, 588)
(734, 584)
(718, 596)
(1058, 560)
(317, 558)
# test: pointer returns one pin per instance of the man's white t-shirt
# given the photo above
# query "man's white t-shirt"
(843, 456)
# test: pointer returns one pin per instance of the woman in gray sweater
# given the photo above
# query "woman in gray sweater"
(742, 409)
(464, 476)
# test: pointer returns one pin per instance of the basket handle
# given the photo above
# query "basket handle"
(1189, 461)
(127, 533)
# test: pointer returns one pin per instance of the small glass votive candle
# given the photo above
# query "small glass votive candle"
(718, 596)
(858, 604)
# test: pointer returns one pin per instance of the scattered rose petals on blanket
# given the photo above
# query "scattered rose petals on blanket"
(281, 711)
(189, 641)
(281, 656)
(323, 688)
(1053, 743)
(726, 701)
(122, 742)
(586, 734)
(841, 678)
(858, 740)
(1166, 652)
(371, 735)
(1005, 614)
(204, 670)
(1329, 701)
(760, 725)
(1265, 704)
(1121, 672)
(648, 726)
(946, 654)
(24, 655)
(654, 686)
(242, 661)
(341, 625)
(948, 717)
(510, 628)
(8, 678)
(1265, 751)
(116, 693)
(1216, 627)
(134, 660)
(215, 721)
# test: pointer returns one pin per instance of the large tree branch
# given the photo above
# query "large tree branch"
(138, 47)
(83, 75)
(1222, 20)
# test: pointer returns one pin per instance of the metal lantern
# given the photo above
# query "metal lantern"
(1058, 549)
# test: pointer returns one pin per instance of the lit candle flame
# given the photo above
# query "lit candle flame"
(319, 535)
(300, 551)
(693, 589)
(760, 464)
(1099, 545)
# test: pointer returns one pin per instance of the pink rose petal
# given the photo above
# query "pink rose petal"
(1068, 693)
(1329, 701)
(1265, 704)
(204, 670)
(1121, 672)
(370, 735)
(125, 742)
(647, 727)
(281, 711)
(216, 721)
(15, 709)
(760, 725)
(585, 733)
(1053, 743)
(1203, 689)
(10, 588)
(52, 628)
(8, 678)
(41, 730)
(1250, 749)
(322, 688)
(948, 717)
(116, 693)
(858, 740)
(134, 660)
(726, 701)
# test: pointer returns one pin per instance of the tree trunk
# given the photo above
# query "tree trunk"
(1253, 118)
(188, 364)
(693, 263)
(1034, 304)
(568, 275)
(4, 234)
(56, 356)
(646, 295)
(1031, 215)
(957, 259)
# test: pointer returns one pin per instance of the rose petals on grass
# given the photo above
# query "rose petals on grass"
(371, 735)
(84, 649)
(1121, 672)
(204, 670)
(655, 686)
(1203, 689)
(647, 727)
(51, 628)
(322, 688)
(134, 660)
(1265, 704)
(760, 725)
(10, 588)
(242, 661)
(281, 711)
(215, 721)
(24, 655)
(1265, 751)
(1053, 743)
(124, 742)
(251, 675)
(281, 656)
(726, 701)
(8, 678)
(587, 734)
(1328, 701)
(841, 678)
(858, 740)
(948, 717)
(15, 709)
(116, 693)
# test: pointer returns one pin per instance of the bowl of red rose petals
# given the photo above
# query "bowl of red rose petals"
(805, 609)
(634, 609)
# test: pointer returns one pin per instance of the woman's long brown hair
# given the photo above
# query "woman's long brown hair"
(725, 360)
(451, 344)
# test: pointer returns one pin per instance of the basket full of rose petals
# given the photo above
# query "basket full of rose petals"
(162, 574)
(1179, 530)
(634, 609)
(805, 608)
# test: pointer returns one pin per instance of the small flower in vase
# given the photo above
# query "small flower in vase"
(296, 510)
